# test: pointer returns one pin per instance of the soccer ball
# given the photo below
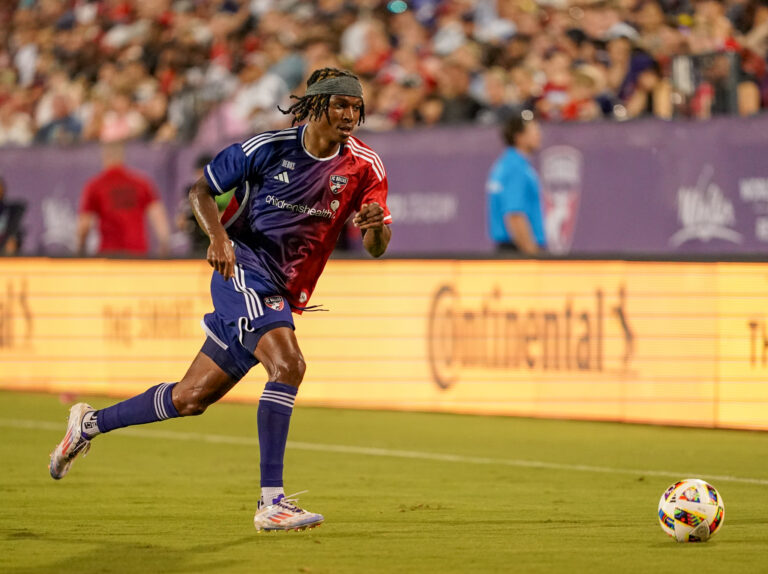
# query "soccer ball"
(691, 511)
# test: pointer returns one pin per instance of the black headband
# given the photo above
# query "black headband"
(338, 86)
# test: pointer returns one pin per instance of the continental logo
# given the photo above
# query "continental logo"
(496, 335)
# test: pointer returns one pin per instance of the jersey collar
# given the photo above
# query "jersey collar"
(306, 151)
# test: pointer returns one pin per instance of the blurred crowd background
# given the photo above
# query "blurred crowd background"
(173, 70)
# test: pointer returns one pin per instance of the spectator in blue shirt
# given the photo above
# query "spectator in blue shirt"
(64, 128)
(515, 219)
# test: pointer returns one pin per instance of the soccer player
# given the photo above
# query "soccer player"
(294, 189)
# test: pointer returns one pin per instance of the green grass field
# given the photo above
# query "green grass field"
(401, 492)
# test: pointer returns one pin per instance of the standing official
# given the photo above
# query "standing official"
(515, 218)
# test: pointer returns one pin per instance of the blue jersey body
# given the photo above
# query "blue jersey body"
(513, 187)
(289, 206)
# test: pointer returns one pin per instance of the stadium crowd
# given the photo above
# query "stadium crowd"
(164, 70)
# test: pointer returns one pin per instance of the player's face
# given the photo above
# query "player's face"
(343, 115)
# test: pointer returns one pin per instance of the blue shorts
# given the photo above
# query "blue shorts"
(245, 308)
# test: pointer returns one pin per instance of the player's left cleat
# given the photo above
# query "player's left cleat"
(72, 444)
(284, 514)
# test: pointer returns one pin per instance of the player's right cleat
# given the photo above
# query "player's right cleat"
(72, 444)
(283, 514)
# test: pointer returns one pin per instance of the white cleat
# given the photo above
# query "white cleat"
(284, 514)
(72, 444)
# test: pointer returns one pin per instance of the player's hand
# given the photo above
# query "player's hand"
(370, 216)
(221, 256)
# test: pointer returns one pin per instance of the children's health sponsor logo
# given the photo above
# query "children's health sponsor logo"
(298, 207)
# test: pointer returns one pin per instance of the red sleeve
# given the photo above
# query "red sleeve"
(89, 200)
(147, 193)
(376, 191)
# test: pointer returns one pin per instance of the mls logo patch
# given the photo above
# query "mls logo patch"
(275, 302)
(561, 169)
(338, 183)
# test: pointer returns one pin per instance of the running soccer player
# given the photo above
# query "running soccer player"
(294, 189)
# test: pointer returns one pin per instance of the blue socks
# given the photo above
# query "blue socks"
(274, 418)
(153, 405)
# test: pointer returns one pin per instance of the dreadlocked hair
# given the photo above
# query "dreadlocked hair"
(313, 107)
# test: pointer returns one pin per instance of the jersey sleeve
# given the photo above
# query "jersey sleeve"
(227, 170)
(376, 191)
(89, 200)
(513, 191)
(148, 193)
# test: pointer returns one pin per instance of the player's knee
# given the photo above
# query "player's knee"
(290, 372)
(192, 403)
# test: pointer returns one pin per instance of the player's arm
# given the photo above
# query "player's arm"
(376, 234)
(519, 228)
(85, 221)
(221, 254)
(158, 219)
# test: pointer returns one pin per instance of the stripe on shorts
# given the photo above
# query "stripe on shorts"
(252, 302)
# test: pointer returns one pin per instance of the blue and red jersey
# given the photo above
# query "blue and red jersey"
(289, 207)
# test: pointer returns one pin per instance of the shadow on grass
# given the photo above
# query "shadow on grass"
(113, 557)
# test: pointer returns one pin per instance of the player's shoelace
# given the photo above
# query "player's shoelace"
(291, 502)
(82, 448)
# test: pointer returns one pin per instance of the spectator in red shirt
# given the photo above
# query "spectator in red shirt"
(121, 200)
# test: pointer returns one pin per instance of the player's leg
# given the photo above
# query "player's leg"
(278, 350)
(204, 383)
(220, 364)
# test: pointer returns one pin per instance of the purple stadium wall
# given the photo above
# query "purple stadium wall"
(647, 187)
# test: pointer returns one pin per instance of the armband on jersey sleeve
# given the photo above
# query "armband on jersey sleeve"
(227, 170)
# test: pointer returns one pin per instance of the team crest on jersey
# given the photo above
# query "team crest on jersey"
(275, 302)
(338, 183)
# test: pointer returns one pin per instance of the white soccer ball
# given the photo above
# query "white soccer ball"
(691, 511)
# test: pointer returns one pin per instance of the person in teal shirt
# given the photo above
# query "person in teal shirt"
(515, 218)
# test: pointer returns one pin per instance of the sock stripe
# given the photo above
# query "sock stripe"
(279, 396)
(277, 401)
(156, 402)
(160, 411)
(287, 396)
(166, 390)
